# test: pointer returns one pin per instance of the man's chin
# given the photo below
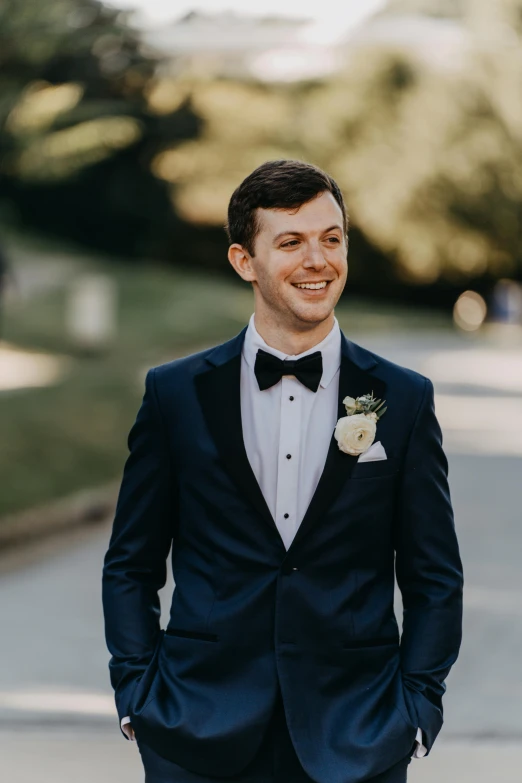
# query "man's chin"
(313, 313)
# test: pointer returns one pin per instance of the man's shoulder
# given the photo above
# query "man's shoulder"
(193, 363)
(189, 364)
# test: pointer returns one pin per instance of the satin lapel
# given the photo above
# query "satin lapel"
(353, 381)
(218, 391)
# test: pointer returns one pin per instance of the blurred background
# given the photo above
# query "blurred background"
(124, 129)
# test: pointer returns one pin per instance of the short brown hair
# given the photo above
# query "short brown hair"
(276, 184)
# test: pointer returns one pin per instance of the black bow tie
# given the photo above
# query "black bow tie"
(269, 369)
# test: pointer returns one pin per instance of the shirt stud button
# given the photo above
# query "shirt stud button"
(289, 456)
(291, 398)
(286, 516)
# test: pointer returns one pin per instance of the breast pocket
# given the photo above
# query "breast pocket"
(377, 469)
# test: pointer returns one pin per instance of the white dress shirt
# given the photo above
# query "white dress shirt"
(287, 431)
(287, 428)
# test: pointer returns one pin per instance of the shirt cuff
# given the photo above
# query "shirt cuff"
(421, 750)
(129, 734)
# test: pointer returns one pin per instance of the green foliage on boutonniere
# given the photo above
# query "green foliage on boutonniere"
(367, 405)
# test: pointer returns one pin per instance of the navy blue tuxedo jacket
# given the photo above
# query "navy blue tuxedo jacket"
(246, 614)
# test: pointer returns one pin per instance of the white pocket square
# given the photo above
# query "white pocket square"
(374, 453)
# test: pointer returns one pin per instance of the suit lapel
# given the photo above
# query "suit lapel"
(219, 393)
(354, 380)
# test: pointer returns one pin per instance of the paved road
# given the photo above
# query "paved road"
(57, 719)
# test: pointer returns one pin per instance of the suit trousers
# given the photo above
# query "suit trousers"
(275, 762)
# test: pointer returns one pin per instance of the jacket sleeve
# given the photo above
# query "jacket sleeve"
(135, 566)
(429, 570)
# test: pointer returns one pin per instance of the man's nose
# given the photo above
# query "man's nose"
(315, 258)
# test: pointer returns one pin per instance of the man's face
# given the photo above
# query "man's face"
(300, 247)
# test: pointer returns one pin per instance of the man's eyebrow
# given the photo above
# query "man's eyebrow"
(299, 233)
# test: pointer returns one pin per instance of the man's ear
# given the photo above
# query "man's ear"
(241, 260)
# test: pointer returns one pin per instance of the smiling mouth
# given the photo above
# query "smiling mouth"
(319, 286)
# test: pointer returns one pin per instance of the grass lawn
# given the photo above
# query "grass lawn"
(72, 435)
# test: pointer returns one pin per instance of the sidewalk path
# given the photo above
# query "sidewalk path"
(64, 756)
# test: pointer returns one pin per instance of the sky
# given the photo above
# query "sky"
(331, 16)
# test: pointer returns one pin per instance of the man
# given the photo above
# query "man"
(290, 494)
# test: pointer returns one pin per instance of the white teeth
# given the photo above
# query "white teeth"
(322, 284)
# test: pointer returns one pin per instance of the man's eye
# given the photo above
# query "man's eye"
(292, 242)
(335, 239)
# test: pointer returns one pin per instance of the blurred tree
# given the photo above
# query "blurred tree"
(244, 124)
(76, 133)
(430, 158)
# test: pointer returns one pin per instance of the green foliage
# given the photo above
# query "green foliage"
(75, 126)
(366, 404)
(80, 44)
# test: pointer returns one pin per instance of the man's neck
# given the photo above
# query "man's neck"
(289, 342)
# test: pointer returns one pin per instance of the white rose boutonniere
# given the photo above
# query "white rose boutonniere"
(355, 432)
